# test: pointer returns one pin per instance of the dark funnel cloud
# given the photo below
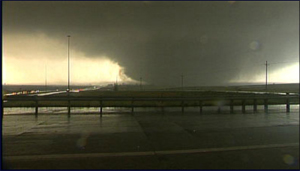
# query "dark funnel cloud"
(209, 43)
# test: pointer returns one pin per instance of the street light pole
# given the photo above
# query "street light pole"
(68, 63)
(69, 107)
(266, 75)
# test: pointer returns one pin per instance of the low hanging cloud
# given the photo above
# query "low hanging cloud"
(38, 59)
(209, 43)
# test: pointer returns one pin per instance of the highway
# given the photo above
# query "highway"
(152, 141)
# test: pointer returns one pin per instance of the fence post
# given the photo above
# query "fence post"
(100, 108)
(219, 109)
(200, 106)
(254, 105)
(266, 105)
(69, 109)
(162, 107)
(231, 106)
(36, 108)
(243, 106)
(132, 110)
(287, 103)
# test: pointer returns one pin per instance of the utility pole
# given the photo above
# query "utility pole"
(46, 77)
(141, 83)
(69, 106)
(68, 64)
(266, 75)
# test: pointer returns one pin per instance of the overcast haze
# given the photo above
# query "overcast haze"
(209, 43)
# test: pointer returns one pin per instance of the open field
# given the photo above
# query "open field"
(290, 88)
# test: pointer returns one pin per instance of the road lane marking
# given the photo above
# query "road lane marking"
(146, 153)
(253, 147)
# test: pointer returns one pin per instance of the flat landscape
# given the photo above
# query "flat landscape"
(206, 96)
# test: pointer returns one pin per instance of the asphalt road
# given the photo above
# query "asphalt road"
(152, 141)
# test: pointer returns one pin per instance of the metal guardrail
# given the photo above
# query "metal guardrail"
(242, 98)
(121, 98)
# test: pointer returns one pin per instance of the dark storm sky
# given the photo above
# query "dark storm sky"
(209, 43)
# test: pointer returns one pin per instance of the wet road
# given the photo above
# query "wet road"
(152, 141)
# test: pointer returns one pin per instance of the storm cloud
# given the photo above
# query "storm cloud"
(209, 43)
